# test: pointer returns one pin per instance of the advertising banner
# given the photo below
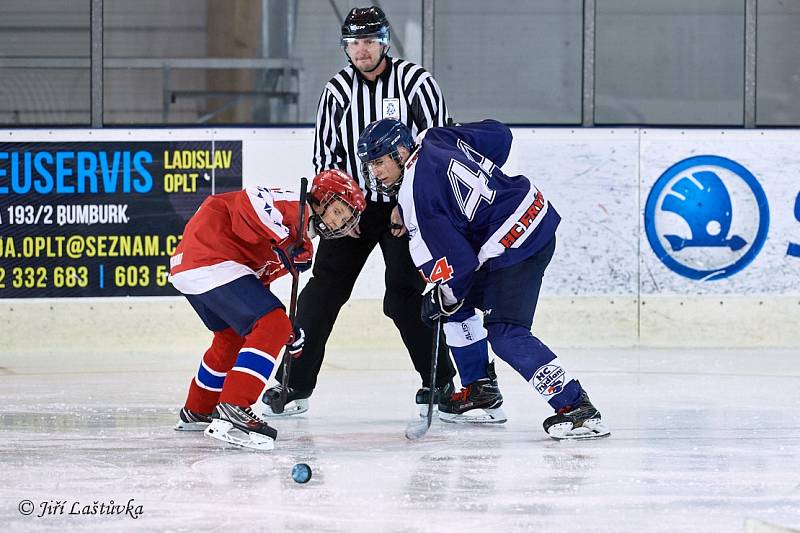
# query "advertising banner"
(102, 218)
(721, 212)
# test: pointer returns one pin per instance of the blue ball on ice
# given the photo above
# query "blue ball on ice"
(301, 473)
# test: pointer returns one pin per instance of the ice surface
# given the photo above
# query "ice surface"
(701, 440)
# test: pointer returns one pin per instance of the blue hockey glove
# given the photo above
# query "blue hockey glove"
(298, 259)
(301, 259)
(295, 345)
(433, 306)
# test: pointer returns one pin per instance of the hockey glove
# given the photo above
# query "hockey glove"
(433, 306)
(301, 259)
(296, 342)
(296, 259)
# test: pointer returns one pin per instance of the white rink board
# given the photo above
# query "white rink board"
(760, 304)
(605, 286)
(590, 176)
(773, 157)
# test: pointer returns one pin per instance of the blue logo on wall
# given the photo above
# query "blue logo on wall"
(706, 217)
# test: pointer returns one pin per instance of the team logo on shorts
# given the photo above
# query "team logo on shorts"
(706, 217)
(549, 380)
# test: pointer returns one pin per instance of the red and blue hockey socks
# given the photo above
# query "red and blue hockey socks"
(257, 359)
(207, 385)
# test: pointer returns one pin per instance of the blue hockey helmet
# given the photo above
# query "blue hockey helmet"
(383, 137)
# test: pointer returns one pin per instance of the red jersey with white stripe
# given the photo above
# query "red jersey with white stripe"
(232, 235)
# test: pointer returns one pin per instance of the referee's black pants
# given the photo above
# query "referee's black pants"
(336, 267)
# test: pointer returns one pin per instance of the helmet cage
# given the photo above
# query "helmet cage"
(376, 185)
(381, 138)
(325, 231)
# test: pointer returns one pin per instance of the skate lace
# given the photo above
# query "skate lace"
(461, 395)
(250, 413)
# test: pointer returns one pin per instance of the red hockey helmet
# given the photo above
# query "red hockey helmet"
(336, 204)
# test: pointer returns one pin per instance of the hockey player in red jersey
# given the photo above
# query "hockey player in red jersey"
(232, 249)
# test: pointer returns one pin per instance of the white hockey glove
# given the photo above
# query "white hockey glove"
(433, 306)
(295, 345)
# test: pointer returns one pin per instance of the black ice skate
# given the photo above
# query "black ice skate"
(579, 421)
(477, 403)
(191, 421)
(296, 401)
(424, 395)
(239, 426)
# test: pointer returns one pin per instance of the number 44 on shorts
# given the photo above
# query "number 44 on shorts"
(442, 272)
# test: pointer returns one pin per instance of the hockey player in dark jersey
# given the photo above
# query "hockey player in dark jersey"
(484, 239)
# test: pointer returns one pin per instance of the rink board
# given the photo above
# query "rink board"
(606, 285)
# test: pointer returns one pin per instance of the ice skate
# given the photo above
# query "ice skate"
(296, 401)
(477, 403)
(240, 427)
(191, 421)
(423, 397)
(579, 421)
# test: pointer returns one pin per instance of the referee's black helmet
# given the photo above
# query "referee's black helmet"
(366, 22)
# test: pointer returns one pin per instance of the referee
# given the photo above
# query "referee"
(373, 86)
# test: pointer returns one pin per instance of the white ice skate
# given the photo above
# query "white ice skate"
(577, 422)
(594, 428)
(191, 421)
(240, 427)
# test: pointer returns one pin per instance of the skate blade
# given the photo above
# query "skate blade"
(295, 407)
(224, 431)
(475, 416)
(190, 426)
(591, 429)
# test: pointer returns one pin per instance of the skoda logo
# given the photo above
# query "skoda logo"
(706, 217)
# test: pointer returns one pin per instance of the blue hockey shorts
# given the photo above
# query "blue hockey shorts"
(509, 295)
(238, 304)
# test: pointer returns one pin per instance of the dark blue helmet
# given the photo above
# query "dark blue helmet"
(383, 137)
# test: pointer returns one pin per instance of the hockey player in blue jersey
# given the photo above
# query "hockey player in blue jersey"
(484, 239)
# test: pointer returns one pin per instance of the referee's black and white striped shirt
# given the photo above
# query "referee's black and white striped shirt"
(349, 103)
